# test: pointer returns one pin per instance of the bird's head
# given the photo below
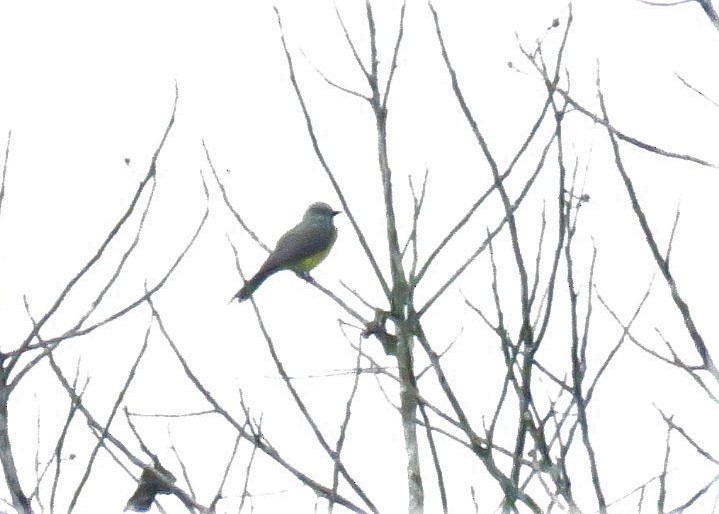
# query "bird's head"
(321, 210)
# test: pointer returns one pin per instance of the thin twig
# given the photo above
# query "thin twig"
(229, 205)
(218, 495)
(333, 83)
(393, 66)
(183, 467)
(435, 460)
(687, 84)
(248, 469)
(345, 423)
(629, 139)
(349, 42)
(4, 169)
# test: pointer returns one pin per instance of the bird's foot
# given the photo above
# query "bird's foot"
(305, 275)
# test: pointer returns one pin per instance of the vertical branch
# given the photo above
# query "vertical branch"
(435, 459)
(4, 170)
(38, 473)
(379, 108)
(578, 369)
(478, 446)
(183, 467)
(663, 476)
(393, 66)
(74, 403)
(218, 495)
(345, 424)
(412, 239)
(408, 408)
(400, 298)
(245, 485)
(20, 501)
(525, 336)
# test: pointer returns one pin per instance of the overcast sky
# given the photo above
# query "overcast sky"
(87, 90)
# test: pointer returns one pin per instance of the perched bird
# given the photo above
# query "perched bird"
(300, 249)
(149, 487)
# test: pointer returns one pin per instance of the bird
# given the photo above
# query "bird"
(150, 485)
(300, 249)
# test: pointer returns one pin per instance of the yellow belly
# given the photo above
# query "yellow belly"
(310, 262)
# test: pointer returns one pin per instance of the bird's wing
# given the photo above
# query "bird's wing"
(302, 241)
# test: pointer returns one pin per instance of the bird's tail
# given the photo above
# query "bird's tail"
(142, 499)
(251, 286)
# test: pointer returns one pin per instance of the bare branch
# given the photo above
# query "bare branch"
(625, 333)
(669, 420)
(462, 102)
(579, 368)
(681, 305)
(345, 423)
(393, 66)
(666, 4)
(701, 492)
(234, 212)
(183, 467)
(435, 460)
(629, 139)
(333, 83)
(349, 41)
(248, 470)
(663, 476)
(4, 169)
(687, 84)
(671, 238)
(479, 447)
(218, 495)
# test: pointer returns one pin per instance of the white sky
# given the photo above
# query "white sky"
(85, 86)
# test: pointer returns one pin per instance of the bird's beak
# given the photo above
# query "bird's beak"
(335, 213)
